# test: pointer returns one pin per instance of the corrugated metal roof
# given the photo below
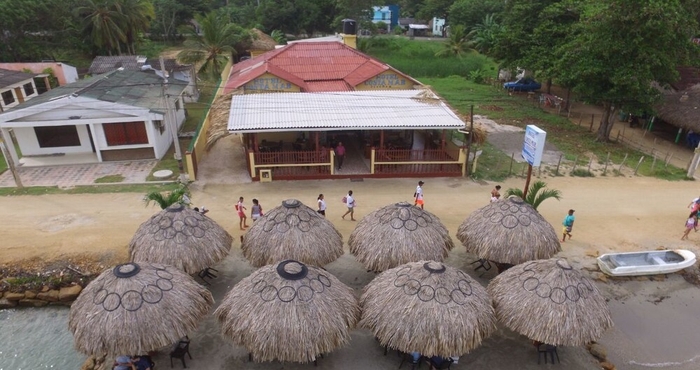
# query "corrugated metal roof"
(318, 61)
(368, 110)
(103, 64)
(327, 86)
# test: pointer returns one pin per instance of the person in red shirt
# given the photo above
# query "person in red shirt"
(339, 154)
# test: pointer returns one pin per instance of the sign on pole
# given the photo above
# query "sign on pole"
(533, 146)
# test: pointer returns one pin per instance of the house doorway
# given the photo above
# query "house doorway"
(357, 157)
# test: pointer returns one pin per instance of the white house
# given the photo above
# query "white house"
(115, 116)
(15, 88)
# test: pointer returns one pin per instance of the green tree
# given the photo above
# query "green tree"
(279, 37)
(103, 21)
(179, 195)
(472, 12)
(171, 14)
(215, 45)
(484, 35)
(138, 15)
(621, 48)
(456, 44)
(434, 8)
(536, 194)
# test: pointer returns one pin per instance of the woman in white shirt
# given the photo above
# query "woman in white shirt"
(321, 205)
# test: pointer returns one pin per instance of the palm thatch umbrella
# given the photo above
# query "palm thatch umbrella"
(550, 302)
(508, 231)
(292, 231)
(397, 234)
(429, 308)
(134, 308)
(180, 237)
(289, 312)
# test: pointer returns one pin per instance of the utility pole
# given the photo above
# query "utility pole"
(171, 120)
(9, 160)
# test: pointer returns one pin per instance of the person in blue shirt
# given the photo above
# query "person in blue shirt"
(568, 225)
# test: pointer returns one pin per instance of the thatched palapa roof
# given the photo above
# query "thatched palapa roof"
(136, 308)
(508, 231)
(289, 312)
(429, 308)
(180, 237)
(681, 108)
(292, 231)
(262, 41)
(397, 234)
(550, 302)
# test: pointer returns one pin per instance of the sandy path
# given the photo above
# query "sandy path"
(612, 213)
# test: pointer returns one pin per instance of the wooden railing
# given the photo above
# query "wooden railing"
(301, 157)
(408, 155)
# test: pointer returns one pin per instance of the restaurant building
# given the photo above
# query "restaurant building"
(293, 105)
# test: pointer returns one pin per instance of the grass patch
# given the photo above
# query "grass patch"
(88, 189)
(580, 172)
(109, 179)
(573, 140)
(417, 58)
(494, 165)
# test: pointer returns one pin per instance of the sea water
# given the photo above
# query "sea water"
(37, 338)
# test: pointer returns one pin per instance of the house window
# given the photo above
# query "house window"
(57, 136)
(28, 89)
(125, 133)
(7, 97)
(159, 125)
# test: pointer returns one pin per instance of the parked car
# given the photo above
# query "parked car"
(523, 84)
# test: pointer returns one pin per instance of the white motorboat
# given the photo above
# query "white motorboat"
(646, 263)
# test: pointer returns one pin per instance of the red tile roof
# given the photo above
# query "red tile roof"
(335, 64)
(328, 86)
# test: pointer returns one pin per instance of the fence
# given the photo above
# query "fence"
(198, 144)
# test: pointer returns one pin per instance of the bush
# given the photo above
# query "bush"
(580, 172)
(477, 76)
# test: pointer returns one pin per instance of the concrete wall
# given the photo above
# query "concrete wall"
(18, 93)
(269, 83)
(388, 80)
(27, 140)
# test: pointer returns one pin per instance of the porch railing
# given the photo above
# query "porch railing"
(409, 155)
(302, 157)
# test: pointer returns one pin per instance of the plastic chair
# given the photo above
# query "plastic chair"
(483, 264)
(207, 274)
(182, 348)
(543, 349)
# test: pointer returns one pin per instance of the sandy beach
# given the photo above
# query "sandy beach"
(655, 321)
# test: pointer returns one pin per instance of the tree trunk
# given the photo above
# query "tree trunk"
(549, 86)
(607, 121)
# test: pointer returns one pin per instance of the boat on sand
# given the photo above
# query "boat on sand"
(646, 263)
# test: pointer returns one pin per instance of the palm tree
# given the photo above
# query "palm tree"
(103, 20)
(213, 46)
(179, 195)
(483, 36)
(457, 43)
(536, 194)
(279, 36)
(138, 15)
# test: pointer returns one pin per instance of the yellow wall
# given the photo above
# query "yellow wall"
(255, 52)
(200, 143)
(269, 83)
(388, 80)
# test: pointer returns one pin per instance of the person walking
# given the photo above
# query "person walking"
(690, 224)
(256, 210)
(568, 224)
(419, 195)
(350, 203)
(339, 155)
(240, 208)
(694, 205)
(321, 205)
(495, 193)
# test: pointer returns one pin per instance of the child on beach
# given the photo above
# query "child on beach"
(568, 225)
(321, 205)
(690, 224)
(256, 210)
(495, 193)
(240, 208)
(419, 195)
